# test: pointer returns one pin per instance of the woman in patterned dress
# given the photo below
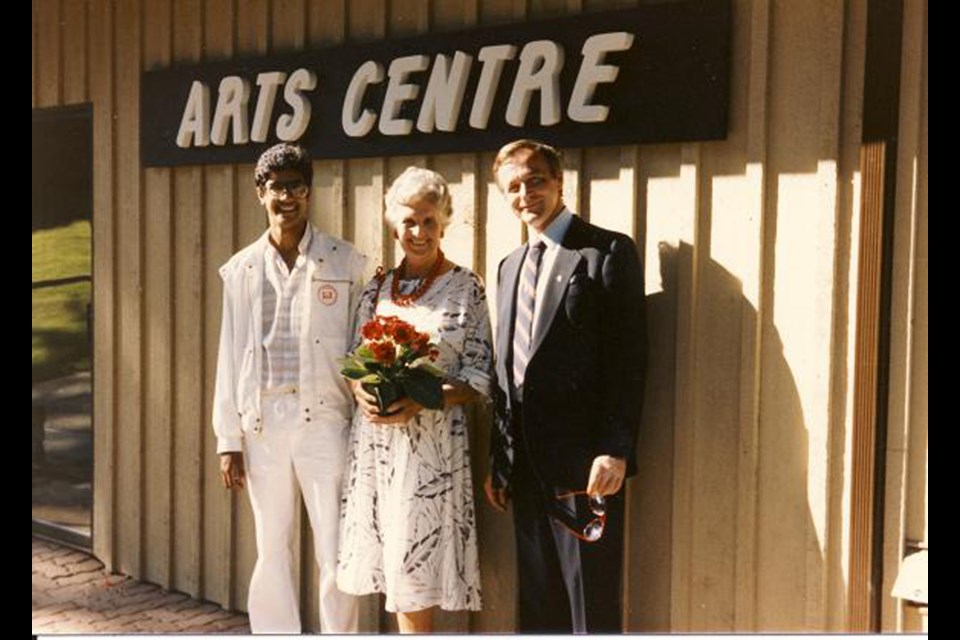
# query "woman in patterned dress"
(408, 526)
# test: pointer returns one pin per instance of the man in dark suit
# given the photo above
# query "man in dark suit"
(571, 350)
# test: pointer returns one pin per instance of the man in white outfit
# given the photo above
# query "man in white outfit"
(281, 410)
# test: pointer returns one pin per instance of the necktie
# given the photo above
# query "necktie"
(526, 299)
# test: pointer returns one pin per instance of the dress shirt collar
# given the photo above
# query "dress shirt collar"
(302, 247)
(553, 235)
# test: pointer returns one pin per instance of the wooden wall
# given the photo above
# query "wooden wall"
(907, 486)
(738, 519)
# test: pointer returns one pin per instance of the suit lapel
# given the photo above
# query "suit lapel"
(506, 300)
(563, 268)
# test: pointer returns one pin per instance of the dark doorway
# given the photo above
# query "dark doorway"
(62, 211)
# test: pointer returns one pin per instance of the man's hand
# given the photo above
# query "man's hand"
(606, 475)
(496, 497)
(231, 470)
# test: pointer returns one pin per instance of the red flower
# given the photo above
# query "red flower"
(384, 352)
(418, 348)
(390, 324)
(403, 333)
(371, 330)
(391, 349)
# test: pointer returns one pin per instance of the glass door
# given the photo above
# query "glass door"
(62, 214)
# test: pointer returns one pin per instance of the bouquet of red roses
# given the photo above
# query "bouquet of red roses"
(394, 362)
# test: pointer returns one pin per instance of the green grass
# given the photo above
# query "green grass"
(59, 312)
(62, 252)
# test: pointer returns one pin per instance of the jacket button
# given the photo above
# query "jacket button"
(308, 418)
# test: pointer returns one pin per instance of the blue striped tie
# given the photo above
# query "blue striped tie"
(526, 297)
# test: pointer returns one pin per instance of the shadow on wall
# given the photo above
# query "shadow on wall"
(721, 536)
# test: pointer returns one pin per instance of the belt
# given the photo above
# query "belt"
(282, 390)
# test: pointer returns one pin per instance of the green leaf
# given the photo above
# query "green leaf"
(406, 355)
(354, 373)
(423, 387)
(371, 379)
(364, 354)
(431, 369)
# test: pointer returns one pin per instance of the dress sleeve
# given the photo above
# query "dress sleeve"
(476, 361)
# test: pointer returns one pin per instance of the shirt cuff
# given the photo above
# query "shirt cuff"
(229, 445)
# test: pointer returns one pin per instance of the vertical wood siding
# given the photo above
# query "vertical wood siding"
(738, 518)
(158, 512)
(907, 464)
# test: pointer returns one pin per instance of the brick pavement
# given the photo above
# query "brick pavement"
(72, 593)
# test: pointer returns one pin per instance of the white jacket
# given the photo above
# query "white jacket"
(336, 275)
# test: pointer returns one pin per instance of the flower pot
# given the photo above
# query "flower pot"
(386, 394)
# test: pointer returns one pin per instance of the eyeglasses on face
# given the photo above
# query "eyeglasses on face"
(295, 188)
(590, 531)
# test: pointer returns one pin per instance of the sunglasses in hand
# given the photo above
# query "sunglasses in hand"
(590, 530)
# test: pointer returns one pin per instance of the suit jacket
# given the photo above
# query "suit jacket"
(583, 386)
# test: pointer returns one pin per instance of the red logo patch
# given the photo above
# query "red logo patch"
(327, 294)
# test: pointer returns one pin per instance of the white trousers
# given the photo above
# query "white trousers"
(289, 452)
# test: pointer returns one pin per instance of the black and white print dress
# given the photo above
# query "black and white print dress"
(407, 520)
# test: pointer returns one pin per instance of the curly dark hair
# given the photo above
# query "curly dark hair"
(283, 157)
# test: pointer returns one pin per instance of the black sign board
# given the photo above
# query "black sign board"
(656, 73)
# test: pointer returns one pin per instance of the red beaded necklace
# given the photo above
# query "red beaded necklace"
(406, 300)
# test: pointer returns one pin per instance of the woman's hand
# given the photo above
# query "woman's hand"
(399, 412)
(458, 392)
(454, 392)
(367, 403)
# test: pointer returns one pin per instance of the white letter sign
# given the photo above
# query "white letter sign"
(195, 124)
(540, 64)
(231, 108)
(356, 124)
(291, 126)
(593, 73)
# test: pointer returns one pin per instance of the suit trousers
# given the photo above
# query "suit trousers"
(289, 454)
(564, 584)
